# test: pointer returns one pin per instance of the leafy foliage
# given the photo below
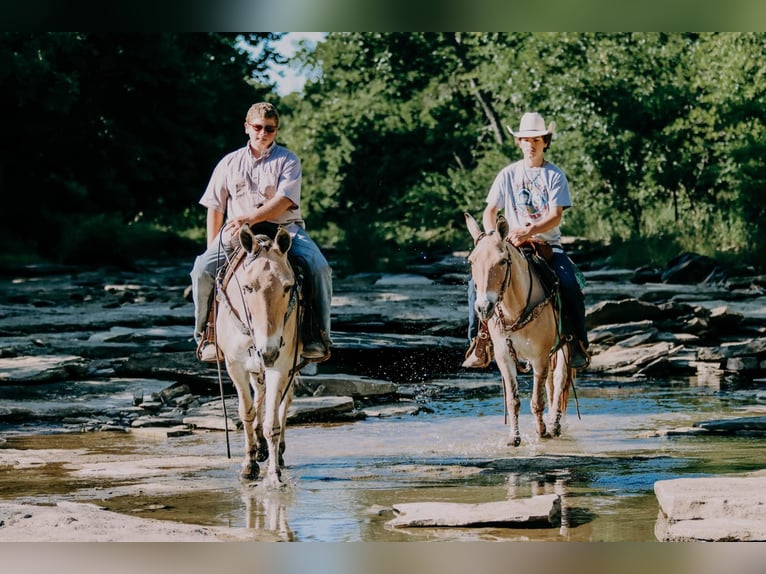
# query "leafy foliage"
(662, 136)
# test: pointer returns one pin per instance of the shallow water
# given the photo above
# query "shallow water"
(344, 478)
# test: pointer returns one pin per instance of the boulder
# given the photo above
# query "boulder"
(624, 311)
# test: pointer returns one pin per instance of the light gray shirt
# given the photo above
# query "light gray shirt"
(240, 183)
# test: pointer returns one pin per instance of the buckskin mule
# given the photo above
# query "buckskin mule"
(257, 330)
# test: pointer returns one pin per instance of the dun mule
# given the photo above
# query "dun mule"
(257, 330)
(523, 324)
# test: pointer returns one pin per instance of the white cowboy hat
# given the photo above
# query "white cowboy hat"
(532, 125)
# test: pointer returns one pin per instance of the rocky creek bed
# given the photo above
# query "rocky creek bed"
(109, 352)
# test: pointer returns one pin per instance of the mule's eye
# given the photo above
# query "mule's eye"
(288, 288)
(247, 288)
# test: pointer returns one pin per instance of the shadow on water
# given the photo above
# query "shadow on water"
(345, 479)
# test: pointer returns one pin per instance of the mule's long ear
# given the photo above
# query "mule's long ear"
(246, 238)
(283, 240)
(473, 227)
(502, 227)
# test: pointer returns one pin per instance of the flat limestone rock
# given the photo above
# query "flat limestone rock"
(723, 498)
(714, 530)
(40, 368)
(538, 509)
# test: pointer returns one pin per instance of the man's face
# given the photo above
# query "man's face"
(533, 148)
(261, 132)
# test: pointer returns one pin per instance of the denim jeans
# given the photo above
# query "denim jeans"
(303, 247)
(572, 298)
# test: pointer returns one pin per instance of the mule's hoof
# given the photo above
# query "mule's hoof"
(262, 453)
(274, 481)
(250, 471)
(515, 442)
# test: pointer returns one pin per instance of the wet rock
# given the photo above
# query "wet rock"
(304, 409)
(399, 409)
(157, 421)
(742, 364)
(544, 509)
(622, 360)
(740, 425)
(754, 347)
(41, 368)
(347, 385)
(613, 333)
(623, 311)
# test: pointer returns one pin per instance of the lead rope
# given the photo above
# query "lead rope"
(219, 286)
(218, 358)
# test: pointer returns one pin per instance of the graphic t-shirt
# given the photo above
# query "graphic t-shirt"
(526, 194)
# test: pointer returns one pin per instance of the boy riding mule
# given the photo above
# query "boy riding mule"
(534, 193)
(260, 182)
(255, 185)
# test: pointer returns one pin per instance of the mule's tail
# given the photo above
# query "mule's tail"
(569, 385)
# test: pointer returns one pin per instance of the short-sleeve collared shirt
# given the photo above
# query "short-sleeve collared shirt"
(240, 183)
(527, 194)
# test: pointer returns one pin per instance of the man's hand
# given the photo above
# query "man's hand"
(232, 228)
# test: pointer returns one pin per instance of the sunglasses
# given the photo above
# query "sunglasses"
(268, 129)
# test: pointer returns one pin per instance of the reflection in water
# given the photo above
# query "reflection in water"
(518, 484)
(265, 509)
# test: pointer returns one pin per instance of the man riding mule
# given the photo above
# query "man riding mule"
(260, 182)
(533, 194)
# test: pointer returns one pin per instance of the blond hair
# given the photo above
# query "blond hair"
(262, 110)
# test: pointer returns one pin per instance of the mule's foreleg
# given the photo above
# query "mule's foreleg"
(538, 402)
(507, 366)
(261, 452)
(272, 424)
(247, 410)
(559, 381)
(284, 405)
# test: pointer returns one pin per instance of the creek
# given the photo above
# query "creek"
(343, 478)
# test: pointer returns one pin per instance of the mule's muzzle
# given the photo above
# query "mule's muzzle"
(485, 307)
(270, 356)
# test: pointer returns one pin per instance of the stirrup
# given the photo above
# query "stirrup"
(316, 358)
(207, 356)
(479, 354)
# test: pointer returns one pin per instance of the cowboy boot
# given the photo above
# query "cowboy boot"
(579, 358)
(479, 354)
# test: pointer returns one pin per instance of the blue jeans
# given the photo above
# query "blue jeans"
(303, 247)
(572, 298)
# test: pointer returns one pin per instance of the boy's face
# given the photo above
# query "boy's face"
(533, 148)
(261, 132)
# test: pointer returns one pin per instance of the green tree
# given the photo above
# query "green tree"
(117, 126)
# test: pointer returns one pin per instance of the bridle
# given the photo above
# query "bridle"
(531, 309)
